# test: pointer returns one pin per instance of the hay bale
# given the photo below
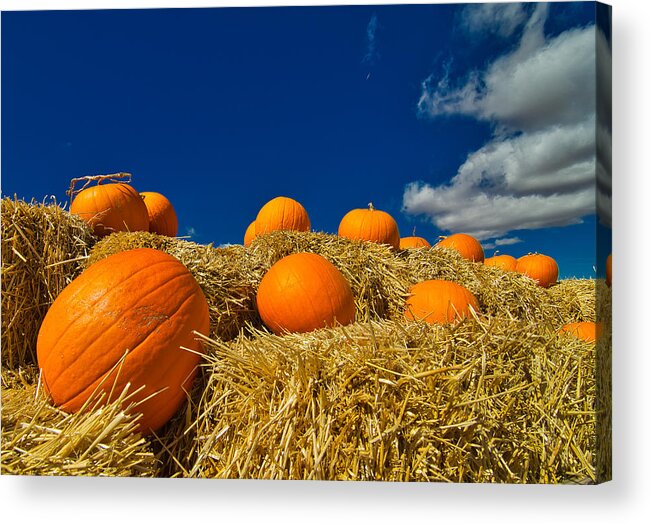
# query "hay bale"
(487, 400)
(222, 273)
(372, 270)
(576, 298)
(39, 439)
(379, 277)
(42, 250)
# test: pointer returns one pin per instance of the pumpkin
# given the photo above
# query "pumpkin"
(542, 268)
(609, 270)
(467, 246)
(505, 262)
(281, 213)
(413, 243)
(111, 207)
(303, 292)
(371, 225)
(586, 331)
(249, 234)
(125, 319)
(162, 217)
(439, 302)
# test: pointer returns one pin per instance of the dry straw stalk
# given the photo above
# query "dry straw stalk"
(42, 250)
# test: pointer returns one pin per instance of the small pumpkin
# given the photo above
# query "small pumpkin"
(467, 246)
(413, 243)
(586, 331)
(505, 262)
(542, 268)
(371, 225)
(162, 217)
(609, 270)
(439, 302)
(139, 307)
(249, 234)
(281, 213)
(303, 292)
(111, 207)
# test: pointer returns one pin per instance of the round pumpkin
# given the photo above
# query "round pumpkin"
(413, 243)
(467, 246)
(586, 331)
(162, 217)
(281, 213)
(139, 307)
(505, 262)
(371, 225)
(542, 268)
(609, 270)
(303, 292)
(111, 207)
(249, 234)
(439, 302)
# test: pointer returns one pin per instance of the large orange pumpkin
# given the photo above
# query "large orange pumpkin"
(141, 303)
(249, 234)
(111, 207)
(281, 213)
(303, 292)
(467, 246)
(505, 262)
(609, 270)
(370, 224)
(542, 268)
(162, 217)
(586, 331)
(439, 302)
(413, 243)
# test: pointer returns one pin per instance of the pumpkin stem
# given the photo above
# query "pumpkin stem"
(370, 206)
(113, 177)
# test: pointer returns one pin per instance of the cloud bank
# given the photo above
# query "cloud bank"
(538, 170)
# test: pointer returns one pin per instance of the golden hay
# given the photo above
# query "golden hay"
(39, 439)
(489, 400)
(500, 397)
(42, 248)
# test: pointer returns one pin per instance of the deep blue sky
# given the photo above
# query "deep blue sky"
(224, 109)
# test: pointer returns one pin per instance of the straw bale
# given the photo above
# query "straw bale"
(39, 439)
(487, 400)
(42, 249)
(222, 273)
(603, 373)
(576, 298)
(379, 277)
(372, 270)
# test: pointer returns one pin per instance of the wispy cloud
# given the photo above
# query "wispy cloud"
(499, 242)
(190, 232)
(538, 169)
(371, 55)
(491, 18)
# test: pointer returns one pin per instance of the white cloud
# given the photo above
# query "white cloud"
(500, 19)
(538, 170)
(499, 242)
(190, 231)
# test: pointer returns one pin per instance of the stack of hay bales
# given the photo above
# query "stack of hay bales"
(42, 250)
(499, 397)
